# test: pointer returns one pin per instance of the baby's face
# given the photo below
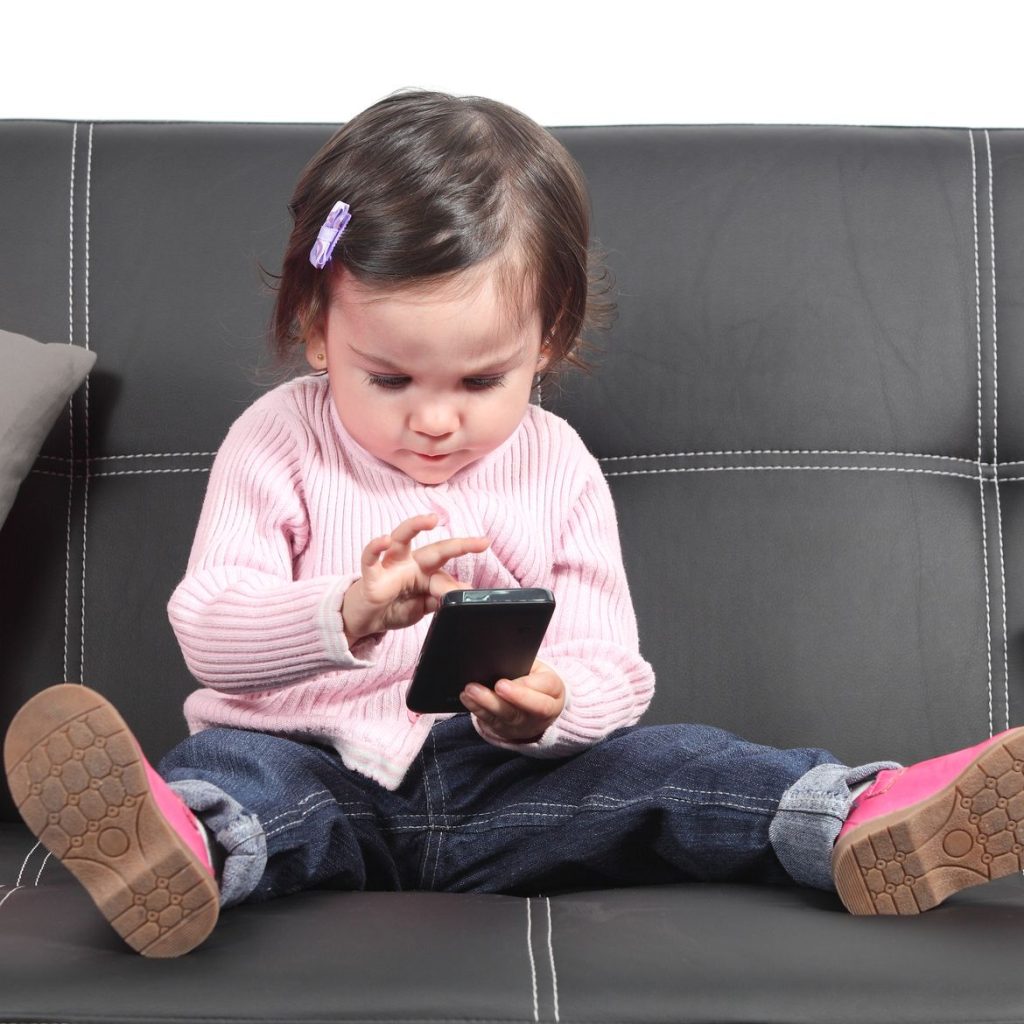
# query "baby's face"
(434, 373)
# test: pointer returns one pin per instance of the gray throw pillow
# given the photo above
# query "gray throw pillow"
(36, 381)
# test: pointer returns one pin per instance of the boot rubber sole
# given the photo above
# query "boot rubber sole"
(78, 780)
(968, 833)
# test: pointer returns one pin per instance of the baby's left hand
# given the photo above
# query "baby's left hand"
(518, 710)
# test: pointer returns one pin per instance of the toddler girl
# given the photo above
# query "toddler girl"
(438, 269)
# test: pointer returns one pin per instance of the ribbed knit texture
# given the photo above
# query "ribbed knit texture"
(291, 502)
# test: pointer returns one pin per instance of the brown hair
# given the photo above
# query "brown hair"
(438, 184)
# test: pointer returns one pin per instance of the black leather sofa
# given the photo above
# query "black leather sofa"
(798, 413)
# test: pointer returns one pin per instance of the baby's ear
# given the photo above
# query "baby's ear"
(546, 352)
(316, 351)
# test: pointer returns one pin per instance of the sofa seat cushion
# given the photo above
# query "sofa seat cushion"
(688, 952)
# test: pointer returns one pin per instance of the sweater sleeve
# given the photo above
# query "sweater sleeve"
(242, 620)
(592, 641)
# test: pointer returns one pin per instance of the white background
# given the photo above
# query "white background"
(562, 63)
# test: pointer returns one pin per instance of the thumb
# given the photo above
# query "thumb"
(441, 583)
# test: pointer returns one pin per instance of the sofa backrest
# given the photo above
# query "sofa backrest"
(797, 410)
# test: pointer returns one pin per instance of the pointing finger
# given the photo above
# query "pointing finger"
(433, 556)
(405, 531)
(372, 551)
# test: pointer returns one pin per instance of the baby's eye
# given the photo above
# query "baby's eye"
(397, 383)
(386, 382)
(484, 383)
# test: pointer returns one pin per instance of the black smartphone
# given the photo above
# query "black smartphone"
(478, 636)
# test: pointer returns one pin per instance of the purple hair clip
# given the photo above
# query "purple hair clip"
(327, 239)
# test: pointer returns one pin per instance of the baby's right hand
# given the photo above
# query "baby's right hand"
(399, 589)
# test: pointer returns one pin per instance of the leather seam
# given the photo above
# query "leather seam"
(995, 432)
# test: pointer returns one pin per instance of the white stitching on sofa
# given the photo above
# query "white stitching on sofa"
(981, 489)
(146, 455)
(71, 400)
(995, 424)
(789, 451)
(634, 472)
(551, 957)
(603, 458)
(533, 965)
(147, 472)
(24, 864)
(67, 563)
(8, 895)
(85, 500)
(46, 860)
(151, 455)
(21, 871)
(640, 472)
(848, 469)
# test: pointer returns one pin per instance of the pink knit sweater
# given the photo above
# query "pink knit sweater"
(291, 502)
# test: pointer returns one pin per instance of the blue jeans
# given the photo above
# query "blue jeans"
(647, 805)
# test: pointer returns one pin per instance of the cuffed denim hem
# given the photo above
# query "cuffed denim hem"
(809, 818)
(239, 834)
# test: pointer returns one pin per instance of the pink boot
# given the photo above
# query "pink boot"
(920, 833)
(83, 786)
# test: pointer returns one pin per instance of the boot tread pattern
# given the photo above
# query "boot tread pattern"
(83, 790)
(969, 833)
